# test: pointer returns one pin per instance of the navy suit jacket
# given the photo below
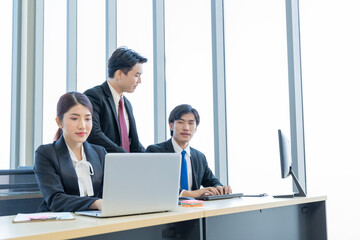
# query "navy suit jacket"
(201, 173)
(57, 179)
(106, 130)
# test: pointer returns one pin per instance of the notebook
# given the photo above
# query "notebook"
(136, 183)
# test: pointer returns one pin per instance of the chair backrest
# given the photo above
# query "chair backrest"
(19, 191)
(18, 180)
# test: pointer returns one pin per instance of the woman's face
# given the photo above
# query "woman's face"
(76, 125)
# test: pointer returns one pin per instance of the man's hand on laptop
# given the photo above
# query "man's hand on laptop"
(224, 189)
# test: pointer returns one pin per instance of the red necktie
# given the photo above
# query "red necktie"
(123, 130)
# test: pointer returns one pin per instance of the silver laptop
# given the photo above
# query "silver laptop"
(137, 183)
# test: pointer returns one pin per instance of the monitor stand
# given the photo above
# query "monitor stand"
(301, 192)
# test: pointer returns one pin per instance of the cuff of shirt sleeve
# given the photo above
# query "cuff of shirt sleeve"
(181, 193)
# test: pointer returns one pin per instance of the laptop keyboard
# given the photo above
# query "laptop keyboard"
(217, 197)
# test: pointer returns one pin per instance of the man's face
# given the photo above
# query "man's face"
(128, 82)
(184, 129)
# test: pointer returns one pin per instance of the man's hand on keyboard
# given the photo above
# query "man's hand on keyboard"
(201, 192)
(224, 189)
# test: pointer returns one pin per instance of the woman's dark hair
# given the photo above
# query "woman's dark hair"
(124, 59)
(180, 110)
(66, 102)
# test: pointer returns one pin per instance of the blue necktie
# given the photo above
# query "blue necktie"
(184, 176)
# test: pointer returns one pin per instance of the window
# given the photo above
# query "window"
(54, 63)
(189, 66)
(91, 62)
(257, 94)
(5, 97)
(330, 65)
(135, 31)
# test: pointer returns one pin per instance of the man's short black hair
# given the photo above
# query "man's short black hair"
(124, 59)
(179, 111)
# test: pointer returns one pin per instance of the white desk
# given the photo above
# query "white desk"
(246, 204)
(186, 223)
(266, 218)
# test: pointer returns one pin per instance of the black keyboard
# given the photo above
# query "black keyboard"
(217, 197)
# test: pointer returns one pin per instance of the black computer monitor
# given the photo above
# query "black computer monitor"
(286, 162)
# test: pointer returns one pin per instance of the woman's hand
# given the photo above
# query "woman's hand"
(97, 204)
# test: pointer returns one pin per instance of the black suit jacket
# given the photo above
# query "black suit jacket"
(106, 130)
(201, 173)
(57, 179)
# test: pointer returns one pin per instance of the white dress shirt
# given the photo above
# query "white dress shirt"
(83, 171)
(116, 98)
(178, 149)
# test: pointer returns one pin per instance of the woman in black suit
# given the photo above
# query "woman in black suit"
(70, 170)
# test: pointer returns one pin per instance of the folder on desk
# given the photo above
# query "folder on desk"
(43, 216)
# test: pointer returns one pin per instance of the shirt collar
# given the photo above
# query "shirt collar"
(73, 157)
(114, 93)
(178, 149)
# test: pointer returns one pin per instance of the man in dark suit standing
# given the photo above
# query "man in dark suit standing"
(195, 172)
(113, 121)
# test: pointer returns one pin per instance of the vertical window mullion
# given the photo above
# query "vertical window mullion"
(39, 70)
(160, 123)
(111, 30)
(15, 88)
(219, 91)
(71, 47)
(295, 91)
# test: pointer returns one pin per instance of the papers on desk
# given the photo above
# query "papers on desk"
(43, 216)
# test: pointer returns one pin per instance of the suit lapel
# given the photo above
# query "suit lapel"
(91, 158)
(67, 170)
(132, 136)
(111, 103)
(169, 146)
(194, 169)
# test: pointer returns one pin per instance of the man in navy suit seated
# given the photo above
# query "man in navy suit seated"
(195, 172)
